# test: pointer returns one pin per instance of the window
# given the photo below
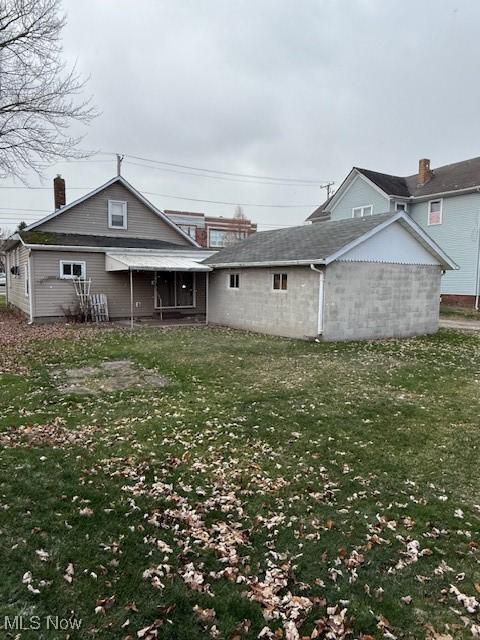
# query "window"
(401, 206)
(234, 281)
(219, 238)
(279, 281)
(361, 212)
(190, 229)
(435, 212)
(70, 270)
(27, 283)
(174, 289)
(117, 214)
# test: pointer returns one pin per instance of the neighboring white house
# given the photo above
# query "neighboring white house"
(370, 277)
(444, 201)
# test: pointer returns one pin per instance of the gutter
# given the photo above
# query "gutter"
(269, 263)
(185, 253)
(321, 297)
(438, 194)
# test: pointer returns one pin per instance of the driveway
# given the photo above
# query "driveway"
(463, 324)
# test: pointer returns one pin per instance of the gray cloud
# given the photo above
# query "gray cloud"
(304, 89)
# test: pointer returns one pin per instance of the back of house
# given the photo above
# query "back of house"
(444, 201)
(114, 242)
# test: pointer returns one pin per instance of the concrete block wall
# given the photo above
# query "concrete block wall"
(255, 306)
(377, 300)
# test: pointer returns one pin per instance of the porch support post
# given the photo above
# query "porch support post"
(131, 299)
(207, 278)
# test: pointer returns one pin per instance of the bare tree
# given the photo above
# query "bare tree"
(39, 97)
(241, 223)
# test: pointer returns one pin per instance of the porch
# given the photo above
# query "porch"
(163, 290)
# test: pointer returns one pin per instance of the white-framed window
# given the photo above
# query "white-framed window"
(435, 212)
(117, 214)
(190, 229)
(401, 206)
(70, 269)
(234, 281)
(218, 238)
(361, 212)
(280, 281)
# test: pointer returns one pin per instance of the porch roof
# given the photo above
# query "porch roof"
(148, 262)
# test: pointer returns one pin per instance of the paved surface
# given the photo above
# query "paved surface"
(463, 323)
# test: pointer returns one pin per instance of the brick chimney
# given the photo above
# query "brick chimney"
(424, 172)
(59, 192)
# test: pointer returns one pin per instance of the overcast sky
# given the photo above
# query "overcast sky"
(301, 89)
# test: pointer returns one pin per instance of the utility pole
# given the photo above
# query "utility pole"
(327, 187)
(119, 163)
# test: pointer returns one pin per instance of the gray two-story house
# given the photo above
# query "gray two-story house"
(113, 243)
(445, 201)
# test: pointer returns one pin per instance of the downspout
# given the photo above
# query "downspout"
(321, 297)
(207, 276)
(7, 277)
(477, 282)
(30, 290)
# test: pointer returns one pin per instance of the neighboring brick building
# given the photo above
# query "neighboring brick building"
(212, 232)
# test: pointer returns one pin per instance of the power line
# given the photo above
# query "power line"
(166, 195)
(213, 177)
(241, 204)
(218, 171)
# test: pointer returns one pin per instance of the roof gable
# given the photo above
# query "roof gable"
(343, 189)
(81, 204)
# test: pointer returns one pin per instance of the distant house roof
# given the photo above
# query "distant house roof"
(392, 185)
(321, 211)
(316, 244)
(83, 240)
(458, 176)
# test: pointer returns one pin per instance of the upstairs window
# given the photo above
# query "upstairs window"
(401, 206)
(234, 281)
(117, 214)
(189, 229)
(280, 281)
(434, 212)
(361, 212)
(70, 270)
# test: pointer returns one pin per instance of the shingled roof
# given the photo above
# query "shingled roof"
(449, 178)
(84, 240)
(317, 243)
(308, 243)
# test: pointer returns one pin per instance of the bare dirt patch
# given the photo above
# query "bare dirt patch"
(107, 377)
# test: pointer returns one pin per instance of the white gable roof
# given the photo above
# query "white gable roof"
(120, 180)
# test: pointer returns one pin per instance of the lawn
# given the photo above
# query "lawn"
(273, 488)
(459, 312)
